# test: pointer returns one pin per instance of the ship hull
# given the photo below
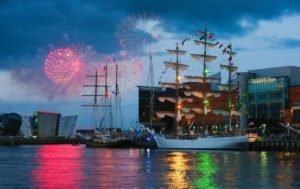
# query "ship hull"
(216, 143)
(109, 143)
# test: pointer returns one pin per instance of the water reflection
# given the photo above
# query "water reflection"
(286, 175)
(66, 166)
(115, 168)
(58, 167)
(207, 170)
(178, 165)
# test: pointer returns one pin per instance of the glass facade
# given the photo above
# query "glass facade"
(144, 105)
(267, 97)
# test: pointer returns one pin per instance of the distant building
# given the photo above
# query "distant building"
(10, 124)
(144, 106)
(47, 124)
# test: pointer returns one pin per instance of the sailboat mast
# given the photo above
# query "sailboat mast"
(106, 97)
(177, 90)
(96, 89)
(205, 102)
(150, 82)
(229, 89)
(95, 103)
(116, 95)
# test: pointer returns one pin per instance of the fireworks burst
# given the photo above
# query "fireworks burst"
(129, 72)
(137, 31)
(63, 65)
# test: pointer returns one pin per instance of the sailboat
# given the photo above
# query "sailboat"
(187, 108)
(104, 134)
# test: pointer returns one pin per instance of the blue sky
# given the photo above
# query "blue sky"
(264, 33)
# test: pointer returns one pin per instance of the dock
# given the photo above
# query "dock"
(275, 145)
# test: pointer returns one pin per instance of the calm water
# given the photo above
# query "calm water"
(67, 166)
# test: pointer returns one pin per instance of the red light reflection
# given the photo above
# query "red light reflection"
(59, 166)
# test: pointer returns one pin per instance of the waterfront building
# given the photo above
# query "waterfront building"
(47, 124)
(270, 95)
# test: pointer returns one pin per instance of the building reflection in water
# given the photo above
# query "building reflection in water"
(58, 166)
(178, 165)
(207, 170)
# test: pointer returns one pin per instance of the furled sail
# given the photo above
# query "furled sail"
(229, 68)
(173, 85)
(194, 93)
(170, 99)
(173, 99)
(208, 44)
(209, 94)
(196, 110)
(200, 94)
(189, 116)
(208, 58)
(174, 114)
(201, 79)
(226, 113)
(166, 113)
(225, 87)
(175, 65)
(180, 52)
(220, 112)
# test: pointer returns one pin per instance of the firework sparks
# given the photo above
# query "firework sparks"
(129, 72)
(137, 30)
(62, 65)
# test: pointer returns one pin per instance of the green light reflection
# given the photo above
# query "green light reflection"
(207, 170)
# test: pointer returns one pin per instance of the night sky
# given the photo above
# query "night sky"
(265, 33)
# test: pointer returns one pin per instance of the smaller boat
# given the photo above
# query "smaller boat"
(105, 133)
(109, 138)
(96, 143)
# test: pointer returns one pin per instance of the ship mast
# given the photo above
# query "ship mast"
(95, 95)
(177, 100)
(150, 83)
(118, 109)
(205, 100)
(230, 86)
(178, 106)
(204, 94)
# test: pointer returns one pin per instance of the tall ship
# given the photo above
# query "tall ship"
(192, 102)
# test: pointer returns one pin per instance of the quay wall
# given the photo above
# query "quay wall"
(275, 145)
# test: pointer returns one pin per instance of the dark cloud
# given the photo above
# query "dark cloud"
(287, 43)
(222, 16)
(29, 26)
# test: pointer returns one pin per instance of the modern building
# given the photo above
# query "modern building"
(144, 106)
(10, 124)
(270, 95)
(47, 124)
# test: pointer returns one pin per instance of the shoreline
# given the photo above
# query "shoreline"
(268, 145)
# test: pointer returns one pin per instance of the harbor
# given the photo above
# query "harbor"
(149, 94)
